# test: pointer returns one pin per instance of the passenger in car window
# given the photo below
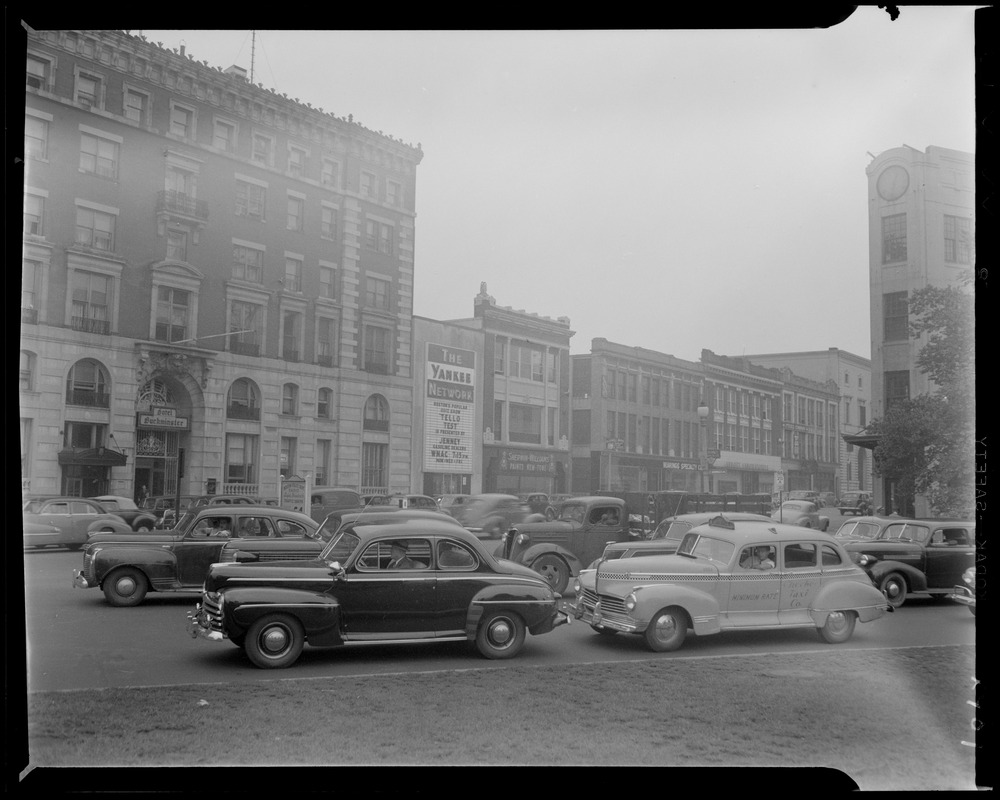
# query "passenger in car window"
(760, 557)
(399, 559)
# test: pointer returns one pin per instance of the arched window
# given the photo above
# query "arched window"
(376, 414)
(26, 379)
(290, 399)
(243, 401)
(87, 384)
(324, 403)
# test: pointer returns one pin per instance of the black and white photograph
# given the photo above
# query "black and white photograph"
(559, 399)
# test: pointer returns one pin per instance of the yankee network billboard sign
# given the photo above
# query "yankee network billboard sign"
(449, 409)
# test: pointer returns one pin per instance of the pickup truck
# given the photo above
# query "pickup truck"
(558, 549)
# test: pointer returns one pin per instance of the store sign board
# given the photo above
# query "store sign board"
(449, 409)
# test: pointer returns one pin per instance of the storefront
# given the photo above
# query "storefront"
(87, 472)
(517, 470)
(745, 473)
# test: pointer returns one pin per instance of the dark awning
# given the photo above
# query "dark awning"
(862, 439)
(93, 457)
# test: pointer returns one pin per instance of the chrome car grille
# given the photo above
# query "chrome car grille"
(212, 609)
(88, 567)
(609, 605)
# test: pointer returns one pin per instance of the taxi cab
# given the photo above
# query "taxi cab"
(726, 574)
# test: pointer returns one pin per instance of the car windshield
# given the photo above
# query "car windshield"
(341, 547)
(671, 530)
(572, 512)
(718, 550)
(32, 506)
(905, 532)
(857, 530)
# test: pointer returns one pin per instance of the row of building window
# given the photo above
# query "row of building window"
(517, 360)
(649, 390)
(957, 236)
(90, 91)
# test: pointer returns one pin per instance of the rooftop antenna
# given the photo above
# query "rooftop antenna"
(253, 47)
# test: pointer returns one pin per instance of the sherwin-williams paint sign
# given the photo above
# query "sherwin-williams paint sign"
(449, 409)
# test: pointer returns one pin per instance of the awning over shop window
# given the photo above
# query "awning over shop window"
(92, 457)
(862, 439)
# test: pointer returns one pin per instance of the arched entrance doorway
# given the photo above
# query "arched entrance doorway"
(163, 430)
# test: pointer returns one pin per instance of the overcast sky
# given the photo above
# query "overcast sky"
(666, 189)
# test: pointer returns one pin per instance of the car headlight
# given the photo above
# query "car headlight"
(503, 537)
(866, 560)
(577, 587)
(969, 577)
(630, 601)
(522, 538)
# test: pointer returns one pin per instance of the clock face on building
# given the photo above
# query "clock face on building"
(893, 182)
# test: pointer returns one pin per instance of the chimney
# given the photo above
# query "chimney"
(182, 50)
(239, 72)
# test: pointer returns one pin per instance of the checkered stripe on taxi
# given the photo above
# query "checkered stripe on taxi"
(687, 577)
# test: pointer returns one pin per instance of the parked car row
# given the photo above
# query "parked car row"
(273, 580)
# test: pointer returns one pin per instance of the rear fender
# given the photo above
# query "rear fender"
(319, 613)
(155, 563)
(533, 603)
(914, 577)
(865, 599)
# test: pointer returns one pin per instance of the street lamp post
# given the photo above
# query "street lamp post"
(703, 419)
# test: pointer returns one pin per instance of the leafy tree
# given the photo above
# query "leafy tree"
(927, 443)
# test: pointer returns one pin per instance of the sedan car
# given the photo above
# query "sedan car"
(855, 503)
(800, 512)
(917, 555)
(731, 575)
(65, 521)
(139, 519)
(489, 515)
(805, 494)
(446, 587)
(126, 566)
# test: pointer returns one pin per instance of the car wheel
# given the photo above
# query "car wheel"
(825, 526)
(838, 627)
(973, 610)
(550, 513)
(125, 587)
(495, 529)
(604, 631)
(274, 641)
(666, 630)
(501, 635)
(893, 586)
(144, 527)
(554, 570)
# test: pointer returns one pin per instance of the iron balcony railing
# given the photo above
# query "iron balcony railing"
(180, 203)
(87, 397)
(90, 325)
(239, 411)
